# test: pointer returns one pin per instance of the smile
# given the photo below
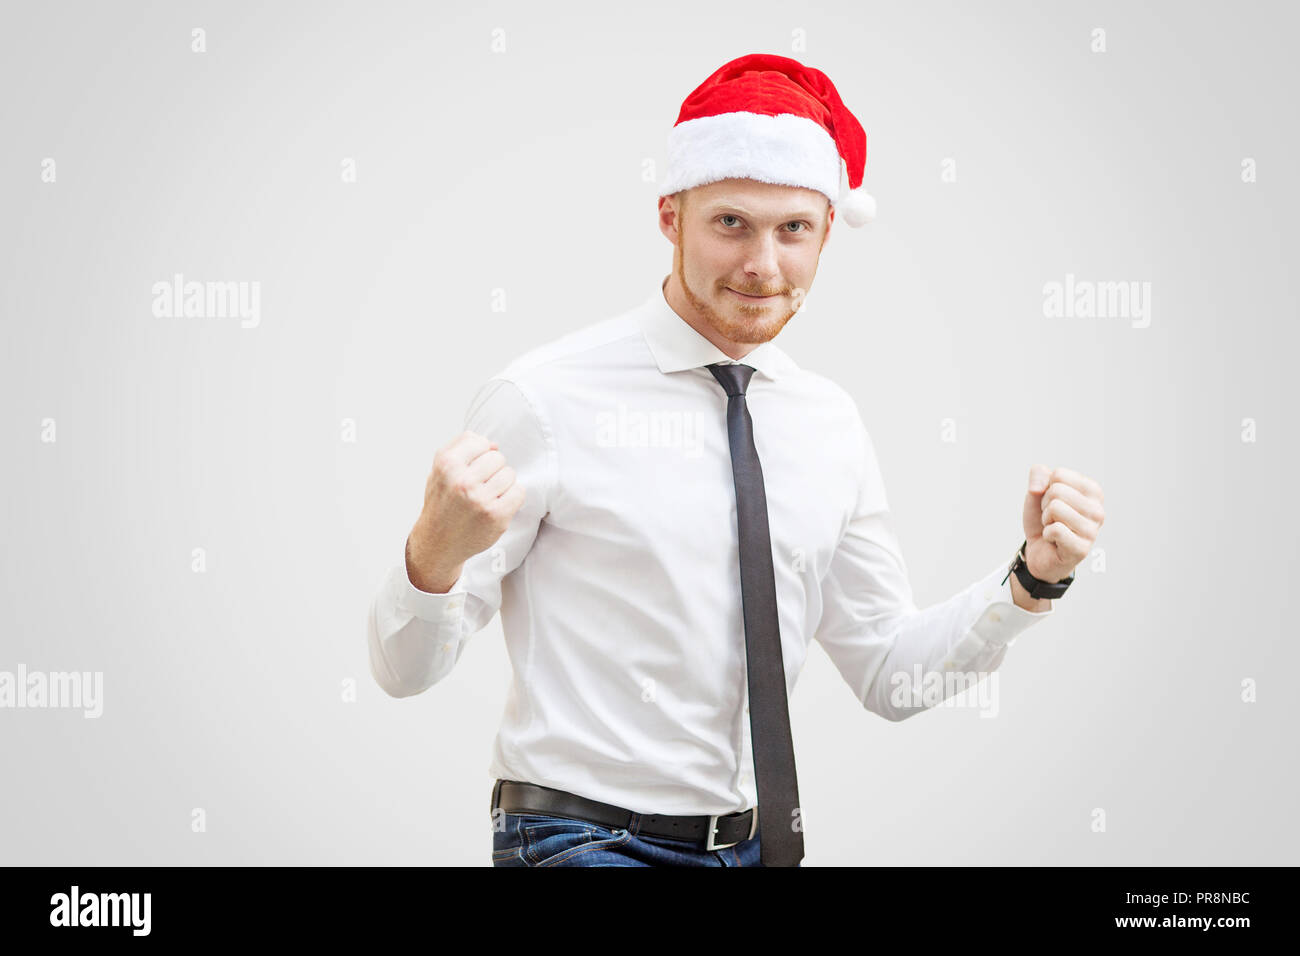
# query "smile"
(751, 298)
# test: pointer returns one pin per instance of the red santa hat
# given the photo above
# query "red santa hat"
(772, 119)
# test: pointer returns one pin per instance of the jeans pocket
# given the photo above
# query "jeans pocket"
(507, 839)
(553, 841)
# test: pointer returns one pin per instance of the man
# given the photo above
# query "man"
(667, 510)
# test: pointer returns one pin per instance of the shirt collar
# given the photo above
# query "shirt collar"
(677, 346)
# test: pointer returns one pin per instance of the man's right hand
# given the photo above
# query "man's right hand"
(469, 499)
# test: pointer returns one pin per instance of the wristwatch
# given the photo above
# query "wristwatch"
(1031, 584)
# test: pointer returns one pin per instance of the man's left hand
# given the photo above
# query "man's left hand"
(1063, 513)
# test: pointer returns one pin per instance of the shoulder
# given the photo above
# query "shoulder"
(833, 400)
(588, 345)
(525, 385)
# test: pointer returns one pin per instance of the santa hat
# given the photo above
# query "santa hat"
(772, 119)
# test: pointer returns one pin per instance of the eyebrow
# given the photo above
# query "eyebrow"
(720, 205)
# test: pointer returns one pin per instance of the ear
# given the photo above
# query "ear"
(668, 213)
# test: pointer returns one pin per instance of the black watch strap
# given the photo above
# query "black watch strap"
(1033, 586)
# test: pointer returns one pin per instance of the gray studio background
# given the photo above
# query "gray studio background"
(523, 170)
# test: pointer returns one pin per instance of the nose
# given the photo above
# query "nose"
(761, 263)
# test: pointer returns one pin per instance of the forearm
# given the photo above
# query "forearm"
(426, 569)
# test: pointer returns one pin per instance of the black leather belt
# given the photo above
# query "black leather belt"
(716, 832)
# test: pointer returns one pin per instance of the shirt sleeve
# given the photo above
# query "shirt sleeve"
(415, 638)
(878, 639)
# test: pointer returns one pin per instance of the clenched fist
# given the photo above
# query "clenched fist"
(469, 499)
(1063, 512)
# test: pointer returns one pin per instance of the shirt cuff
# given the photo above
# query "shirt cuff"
(442, 609)
(1002, 618)
(999, 619)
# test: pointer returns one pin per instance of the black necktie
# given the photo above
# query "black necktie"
(780, 831)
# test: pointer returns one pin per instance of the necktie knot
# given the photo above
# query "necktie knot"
(734, 379)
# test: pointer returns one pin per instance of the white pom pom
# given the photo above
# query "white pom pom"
(857, 207)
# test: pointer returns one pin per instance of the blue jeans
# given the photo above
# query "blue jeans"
(534, 839)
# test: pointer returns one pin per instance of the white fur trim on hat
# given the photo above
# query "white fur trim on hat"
(785, 150)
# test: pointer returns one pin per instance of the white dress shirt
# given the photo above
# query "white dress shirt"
(618, 580)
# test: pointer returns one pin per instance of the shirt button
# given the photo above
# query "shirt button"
(995, 617)
(446, 646)
(988, 595)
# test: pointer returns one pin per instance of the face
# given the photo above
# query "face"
(744, 258)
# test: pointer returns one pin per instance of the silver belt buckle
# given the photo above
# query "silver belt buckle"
(713, 831)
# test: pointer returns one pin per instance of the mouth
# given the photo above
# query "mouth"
(750, 298)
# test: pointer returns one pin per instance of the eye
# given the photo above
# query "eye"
(799, 222)
(726, 216)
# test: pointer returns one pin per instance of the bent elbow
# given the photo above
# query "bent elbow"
(889, 709)
(894, 715)
(394, 686)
